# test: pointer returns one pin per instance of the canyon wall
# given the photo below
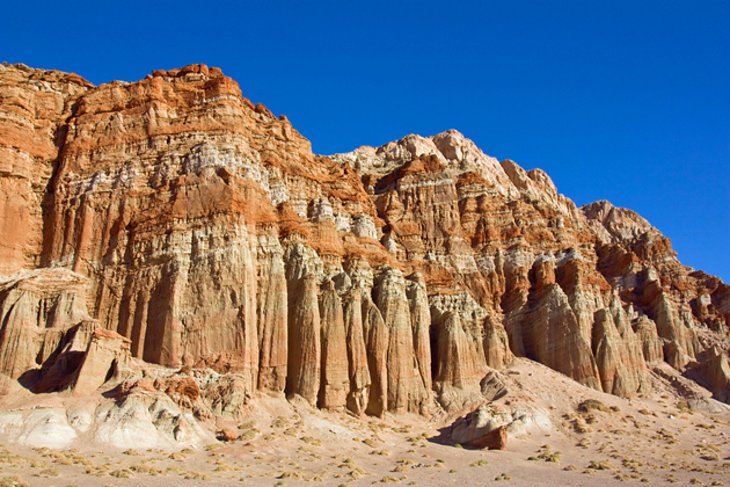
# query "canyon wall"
(203, 231)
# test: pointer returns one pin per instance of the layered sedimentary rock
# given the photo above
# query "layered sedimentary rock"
(272, 314)
(203, 231)
(357, 353)
(35, 106)
(406, 390)
(714, 373)
(106, 353)
(305, 347)
(37, 308)
(335, 380)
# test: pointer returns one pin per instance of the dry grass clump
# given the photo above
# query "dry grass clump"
(600, 465)
(247, 425)
(666, 436)
(633, 466)
(311, 440)
(579, 422)
(289, 475)
(64, 457)
(371, 442)
(145, 468)
(47, 473)
(221, 466)
(280, 422)
(122, 473)
(502, 476)
(590, 405)
(710, 456)
(9, 458)
(683, 406)
(402, 465)
(249, 434)
(191, 475)
(546, 454)
(13, 481)
(98, 470)
(356, 473)
(180, 455)
(418, 440)
(583, 443)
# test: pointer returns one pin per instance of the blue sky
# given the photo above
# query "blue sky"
(621, 100)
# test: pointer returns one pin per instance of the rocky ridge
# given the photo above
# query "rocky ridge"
(171, 221)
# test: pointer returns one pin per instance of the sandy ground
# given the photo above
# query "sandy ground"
(652, 440)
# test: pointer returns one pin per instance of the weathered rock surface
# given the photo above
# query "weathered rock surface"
(490, 427)
(171, 221)
(36, 309)
(714, 372)
(106, 353)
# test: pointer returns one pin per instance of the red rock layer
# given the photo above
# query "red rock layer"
(206, 233)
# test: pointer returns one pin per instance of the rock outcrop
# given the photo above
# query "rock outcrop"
(181, 225)
(37, 308)
(714, 373)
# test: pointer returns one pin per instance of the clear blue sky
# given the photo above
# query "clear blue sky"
(621, 100)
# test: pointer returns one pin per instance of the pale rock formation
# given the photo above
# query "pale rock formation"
(357, 353)
(43, 427)
(227, 395)
(461, 362)
(651, 344)
(617, 364)
(203, 230)
(377, 339)
(556, 339)
(334, 382)
(478, 428)
(272, 314)
(634, 364)
(714, 371)
(144, 420)
(106, 353)
(305, 348)
(420, 323)
(621, 224)
(405, 392)
(492, 386)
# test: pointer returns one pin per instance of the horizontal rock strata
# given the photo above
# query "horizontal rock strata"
(201, 231)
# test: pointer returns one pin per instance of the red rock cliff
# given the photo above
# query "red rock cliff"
(202, 228)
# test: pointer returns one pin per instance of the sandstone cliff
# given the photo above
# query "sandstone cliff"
(204, 233)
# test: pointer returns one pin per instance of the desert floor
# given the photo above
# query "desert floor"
(650, 440)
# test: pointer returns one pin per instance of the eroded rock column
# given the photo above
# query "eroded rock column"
(359, 372)
(303, 269)
(272, 314)
(334, 381)
(406, 392)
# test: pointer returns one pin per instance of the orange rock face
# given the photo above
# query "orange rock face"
(205, 233)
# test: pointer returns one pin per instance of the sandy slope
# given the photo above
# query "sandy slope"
(655, 440)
